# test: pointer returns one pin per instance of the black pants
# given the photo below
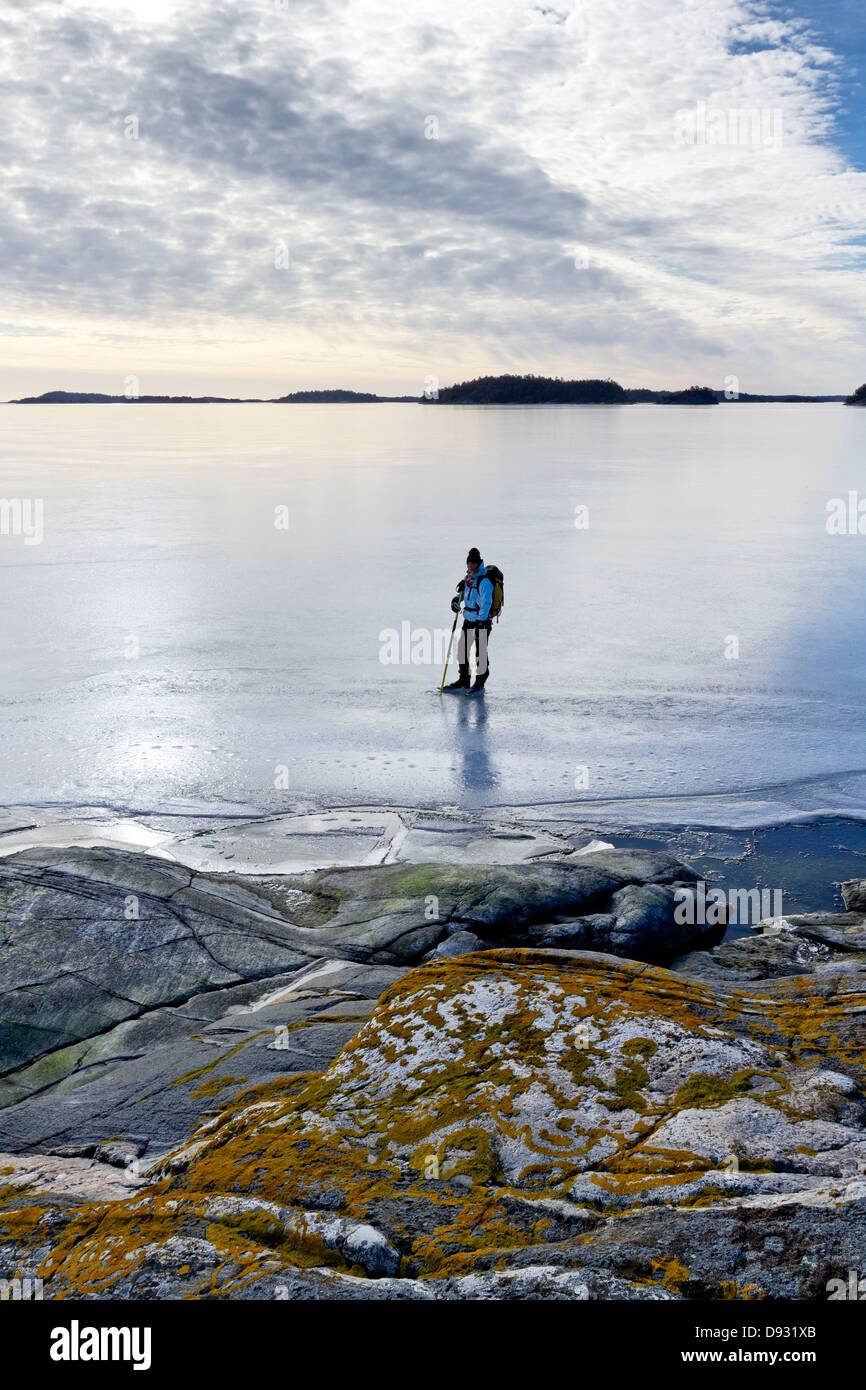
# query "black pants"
(475, 635)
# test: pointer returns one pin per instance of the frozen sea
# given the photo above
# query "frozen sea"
(204, 622)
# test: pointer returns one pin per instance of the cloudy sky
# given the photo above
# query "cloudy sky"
(255, 197)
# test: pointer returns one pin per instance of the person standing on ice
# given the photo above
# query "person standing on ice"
(476, 593)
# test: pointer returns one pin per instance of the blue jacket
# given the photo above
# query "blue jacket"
(477, 597)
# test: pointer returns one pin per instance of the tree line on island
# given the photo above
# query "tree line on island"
(546, 390)
(507, 389)
(296, 397)
(554, 390)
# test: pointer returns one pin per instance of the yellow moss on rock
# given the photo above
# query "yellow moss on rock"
(519, 1070)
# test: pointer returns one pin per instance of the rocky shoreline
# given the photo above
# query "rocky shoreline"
(403, 1057)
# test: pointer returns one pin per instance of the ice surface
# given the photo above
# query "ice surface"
(294, 843)
(167, 648)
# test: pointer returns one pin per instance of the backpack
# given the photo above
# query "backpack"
(497, 579)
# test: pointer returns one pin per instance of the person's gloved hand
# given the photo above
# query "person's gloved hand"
(455, 604)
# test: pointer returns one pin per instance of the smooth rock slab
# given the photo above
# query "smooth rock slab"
(118, 971)
(94, 937)
(158, 1075)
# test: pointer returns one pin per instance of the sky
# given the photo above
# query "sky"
(270, 195)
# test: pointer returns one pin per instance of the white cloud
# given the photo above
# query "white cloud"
(558, 222)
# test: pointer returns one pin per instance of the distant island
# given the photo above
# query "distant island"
(693, 395)
(552, 390)
(529, 390)
(546, 390)
(507, 389)
(297, 397)
(97, 398)
(338, 398)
